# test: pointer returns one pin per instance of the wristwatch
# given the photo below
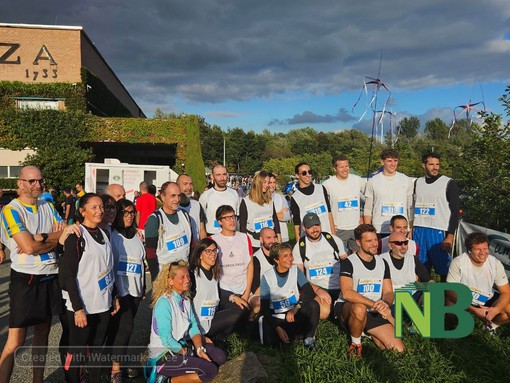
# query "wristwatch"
(44, 237)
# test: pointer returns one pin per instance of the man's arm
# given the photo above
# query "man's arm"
(369, 200)
(249, 281)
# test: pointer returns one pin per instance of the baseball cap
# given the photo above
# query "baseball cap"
(311, 219)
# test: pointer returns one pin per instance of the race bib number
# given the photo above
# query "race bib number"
(320, 270)
(369, 287)
(284, 303)
(208, 309)
(392, 208)
(48, 258)
(105, 280)
(426, 210)
(176, 242)
(261, 223)
(480, 298)
(317, 208)
(216, 224)
(348, 204)
(129, 268)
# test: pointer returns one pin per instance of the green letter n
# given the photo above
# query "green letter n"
(421, 319)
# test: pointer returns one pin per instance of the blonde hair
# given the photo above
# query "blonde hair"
(160, 285)
(255, 193)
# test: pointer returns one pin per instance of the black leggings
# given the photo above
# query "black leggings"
(226, 318)
(305, 322)
(121, 327)
(89, 339)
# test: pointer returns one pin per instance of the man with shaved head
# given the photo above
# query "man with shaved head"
(404, 267)
(31, 229)
(116, 191)
(217, 196)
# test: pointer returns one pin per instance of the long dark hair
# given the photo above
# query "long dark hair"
(194, 260)
(118, 223)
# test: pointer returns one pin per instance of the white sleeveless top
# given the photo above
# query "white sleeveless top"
(211, 200)
(265, 266)
(258, 218)
(206, 300)
(431, 207)
(286, 297)
(95, 276)
(174, 241)
(366, 282)
(181, 323)
(404, 276)
(314, 203)
(279, 203)
(128, 255)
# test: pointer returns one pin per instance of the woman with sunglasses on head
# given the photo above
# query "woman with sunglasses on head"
(205, 274)
(257, 211)
(110, 211)
(87, 280)
(129, 255)
(177, 348)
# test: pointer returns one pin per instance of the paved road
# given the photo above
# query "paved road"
(53, 373)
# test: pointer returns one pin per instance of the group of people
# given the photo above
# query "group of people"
(224, 263)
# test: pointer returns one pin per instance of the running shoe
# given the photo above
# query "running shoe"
(309, 343)
(355, 351)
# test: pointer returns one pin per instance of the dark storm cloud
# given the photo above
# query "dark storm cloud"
(217, 50)
(308, 117)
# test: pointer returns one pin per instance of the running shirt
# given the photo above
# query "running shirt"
(265, 266)
(234, 256)
(480, 280)
(344, 198)
(129, 268)
(206, 300)
(431, 208)
(314, 203)
(95, 277)
(35, 219)
(403, 276)
(282, 298)
(174, 240)
(257, 218)
(280, 203)
(211, 200)
(367, 277)
(321, 268)
(388, 196)
(171, 324)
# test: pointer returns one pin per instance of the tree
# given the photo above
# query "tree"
(409, 127)
(436, 129)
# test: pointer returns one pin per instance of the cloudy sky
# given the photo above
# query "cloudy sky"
(285, 64)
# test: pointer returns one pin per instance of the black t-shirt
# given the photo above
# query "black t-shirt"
(70, 201)
(346, 268)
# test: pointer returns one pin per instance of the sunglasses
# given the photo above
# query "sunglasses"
(33, 181)
(400, 243)
(127, 212)
(110, 207)
(305, 172)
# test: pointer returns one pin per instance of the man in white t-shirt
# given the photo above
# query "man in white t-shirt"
(217, 196)
(481, 272)
(344, 191)
(388, 193)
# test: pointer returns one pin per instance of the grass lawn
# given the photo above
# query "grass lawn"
(479, 357)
